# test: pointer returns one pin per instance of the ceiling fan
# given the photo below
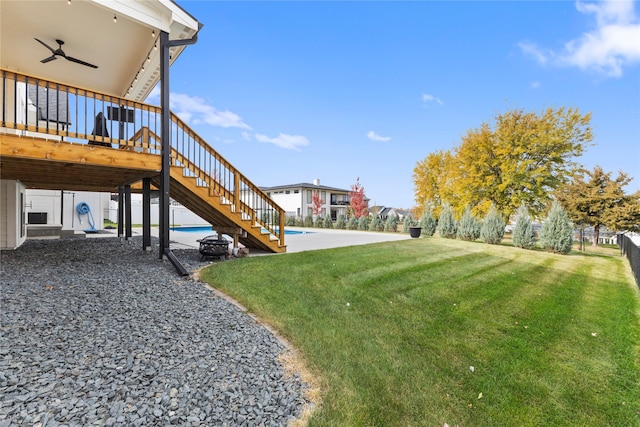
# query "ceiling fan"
(59, 52)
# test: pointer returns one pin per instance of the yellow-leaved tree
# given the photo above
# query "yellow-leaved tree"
(522, 158)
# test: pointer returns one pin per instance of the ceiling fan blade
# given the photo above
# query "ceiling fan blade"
(46, 45)
(78, 61)
(51, 58)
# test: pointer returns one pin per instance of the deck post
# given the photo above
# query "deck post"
(127, 211)
(120, 212)
(146, 214)
(281, 228)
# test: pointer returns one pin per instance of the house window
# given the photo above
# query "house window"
(296, 191)
(287, 192)
(309, 196)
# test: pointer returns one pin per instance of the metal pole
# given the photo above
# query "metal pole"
(166, 147)
(120, 212)
(127, 196)
(146, 214)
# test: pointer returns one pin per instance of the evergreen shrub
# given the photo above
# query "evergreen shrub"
(308, 221)
(376, 224)
(327, 223)
(341, 223)
(407, 223)
(492, 230)
(391, 224)
(290, 221)
(352, 224)
(468, 227)
(428, 223)
(523, 235)
(363, 223)
(447, 224)
(556, 234)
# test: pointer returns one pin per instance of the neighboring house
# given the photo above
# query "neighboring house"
(384, 212)
(74, 77)
(297, 199)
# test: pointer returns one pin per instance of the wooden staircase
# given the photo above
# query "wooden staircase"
(68, 155)
(207, 203)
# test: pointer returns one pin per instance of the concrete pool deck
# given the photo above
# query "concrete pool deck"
(309, 239)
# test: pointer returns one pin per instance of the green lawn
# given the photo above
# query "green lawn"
(393, 329)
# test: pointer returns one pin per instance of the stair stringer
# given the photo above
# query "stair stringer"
(200, 200)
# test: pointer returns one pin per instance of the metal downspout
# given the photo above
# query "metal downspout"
(165, 174)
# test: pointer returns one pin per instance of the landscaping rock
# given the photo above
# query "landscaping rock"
(99, 332)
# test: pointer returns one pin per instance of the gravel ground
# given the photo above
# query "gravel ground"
(99, 332)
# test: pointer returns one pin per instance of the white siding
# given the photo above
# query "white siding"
(12, 231)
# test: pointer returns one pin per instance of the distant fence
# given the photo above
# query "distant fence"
(630, 248)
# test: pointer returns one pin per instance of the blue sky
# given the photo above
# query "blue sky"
(293, 91)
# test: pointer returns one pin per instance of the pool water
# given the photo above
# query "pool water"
(200, 229)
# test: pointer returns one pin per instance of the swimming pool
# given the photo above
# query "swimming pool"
(200, 229)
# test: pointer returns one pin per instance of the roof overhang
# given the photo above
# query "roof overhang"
(118, 36)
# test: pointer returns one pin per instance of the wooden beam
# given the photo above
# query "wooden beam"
(61, 151)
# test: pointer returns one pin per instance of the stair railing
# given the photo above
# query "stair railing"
(31, 106)
(201, 161)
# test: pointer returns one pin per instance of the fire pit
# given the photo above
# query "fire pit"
(212, 246)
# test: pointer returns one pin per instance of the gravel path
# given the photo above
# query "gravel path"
(98, 332)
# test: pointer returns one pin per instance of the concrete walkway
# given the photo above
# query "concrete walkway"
(310, 239)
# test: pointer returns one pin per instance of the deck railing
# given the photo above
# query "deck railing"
(36, 107)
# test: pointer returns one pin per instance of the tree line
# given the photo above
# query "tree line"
(527, 159)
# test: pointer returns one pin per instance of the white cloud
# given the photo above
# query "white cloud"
(535, 85)
(426, 98)
(195, 110)
(375, 137)
(246, 135)
(607, 49)
(290, 142)
(531, 49)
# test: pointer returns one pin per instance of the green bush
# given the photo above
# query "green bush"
(407, 223)
(319, 222)
(492, 230)
(428, 223)
(376, 224)
(363, 223)
(523, 235)
(290, 221)
(447, 224)
(353, 223)
(341, 223)
(556, 234)
(308, 221)
(391, 224)
(327, 223)
(468, 227)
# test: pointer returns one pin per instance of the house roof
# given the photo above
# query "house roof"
(304, 186)
(128, 65)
